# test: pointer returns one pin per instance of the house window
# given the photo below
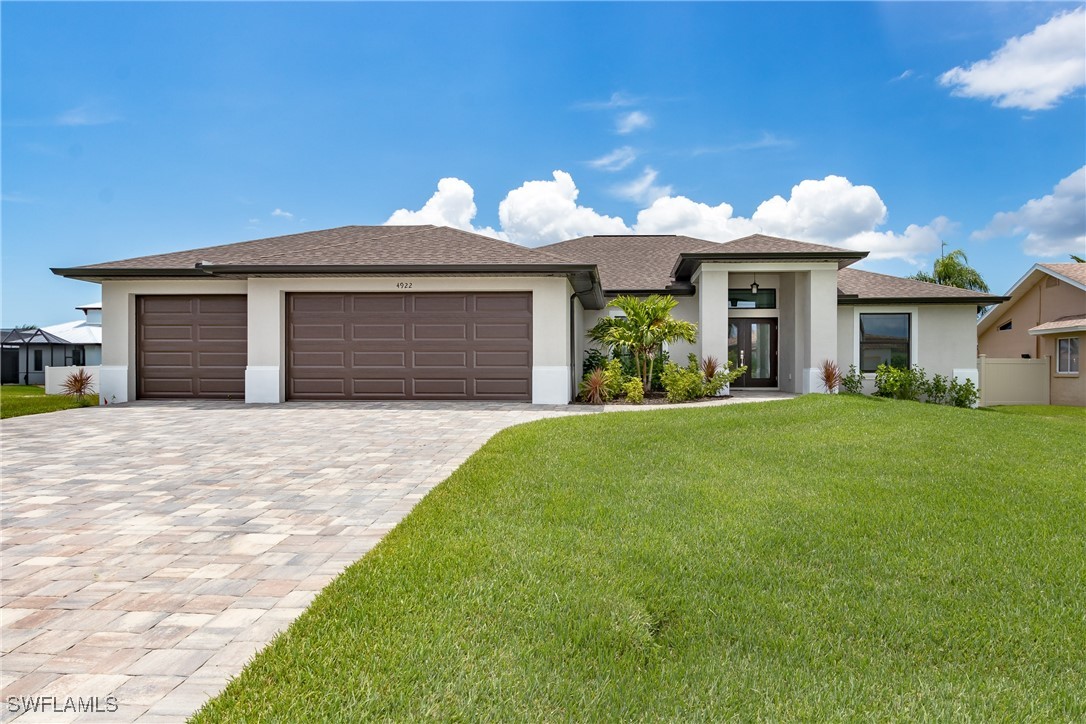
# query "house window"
(1067, 355)
(1005, 327)
(884, 339)
(37, 360)
(746, 299)
(79, 356)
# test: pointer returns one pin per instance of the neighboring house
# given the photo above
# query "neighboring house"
(424, 312)
(28, 352)
(1044, 317)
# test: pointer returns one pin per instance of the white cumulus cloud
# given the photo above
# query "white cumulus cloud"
(825, 211)
(282, 214)
(680, 215)
(1053, 225)
(831, 210)
(543, 212)
(632, 121)
(1032, 71)
(617, 160)
(643, 189)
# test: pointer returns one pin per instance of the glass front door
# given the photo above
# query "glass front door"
(753, 343)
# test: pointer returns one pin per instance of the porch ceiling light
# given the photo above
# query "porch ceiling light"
(754, 286)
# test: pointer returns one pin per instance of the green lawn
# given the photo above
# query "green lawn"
(1069, 414)
(823, 558)
(17, 400)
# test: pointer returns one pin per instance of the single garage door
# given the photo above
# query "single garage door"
(191, 347)
(409, 346)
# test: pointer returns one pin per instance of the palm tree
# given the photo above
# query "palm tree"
(1078, 259)
(953, 270)
(646, 326)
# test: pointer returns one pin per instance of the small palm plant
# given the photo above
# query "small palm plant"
(645, 328)
(78, 384)
(829, 375)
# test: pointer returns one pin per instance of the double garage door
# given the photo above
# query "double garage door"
(344, 346)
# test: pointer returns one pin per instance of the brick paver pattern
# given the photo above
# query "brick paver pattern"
(149, 550)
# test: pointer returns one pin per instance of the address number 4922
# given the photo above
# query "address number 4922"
(403, 285)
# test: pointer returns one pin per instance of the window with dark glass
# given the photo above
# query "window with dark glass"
(79, 356)
(746, 299)
(37, 360)
(1006, 327)
(1067, 355)
(884, 339)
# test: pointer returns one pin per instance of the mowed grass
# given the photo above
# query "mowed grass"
(824, 558)
(18, 400)
(1061, 412)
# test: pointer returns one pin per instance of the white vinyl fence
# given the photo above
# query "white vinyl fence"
(1013, 381)
(55, 376)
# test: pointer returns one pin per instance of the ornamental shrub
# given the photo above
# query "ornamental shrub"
(900, 383)
(963, 394)
(853, 382)
(616, 380)
(936, 390)
(682, 383)
(635, 391)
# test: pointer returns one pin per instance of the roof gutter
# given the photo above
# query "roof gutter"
(980, 299)
(584, 278)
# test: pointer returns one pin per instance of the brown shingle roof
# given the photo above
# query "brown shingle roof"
(871, 285)
(1071, 270)
(350, 246)
(631, 262)
(762, 244)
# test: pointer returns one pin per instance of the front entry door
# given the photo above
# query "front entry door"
(753, 342)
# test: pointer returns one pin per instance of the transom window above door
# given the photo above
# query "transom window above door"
(746, 299)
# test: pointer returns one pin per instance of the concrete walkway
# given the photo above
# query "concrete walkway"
(150, 549)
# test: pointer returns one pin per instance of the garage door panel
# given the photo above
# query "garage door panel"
(492, 330)
(316, 303)
(513, 389)
(323, 332)
(379, 332)
(443, 332)
(504, 304)
(440, 304)
(440, 359)
(379, 387)
(487, 359)
(325, 387)
(332, 360)
(411, 346)
(379, 359)
(191, 346)
(386, 303)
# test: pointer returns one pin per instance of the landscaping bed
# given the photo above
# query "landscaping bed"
(18, 400)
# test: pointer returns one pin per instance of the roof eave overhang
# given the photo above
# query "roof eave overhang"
(852, 299)
(584, 278)
(688, 263)
(678, 289)
(1077, 329)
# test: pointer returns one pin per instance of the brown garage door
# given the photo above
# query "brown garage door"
(409, 346)
(191, 346)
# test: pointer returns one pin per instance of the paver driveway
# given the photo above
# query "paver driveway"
(149, 550)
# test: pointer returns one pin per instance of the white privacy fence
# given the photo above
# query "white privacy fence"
(55, 376)
(1013, 381)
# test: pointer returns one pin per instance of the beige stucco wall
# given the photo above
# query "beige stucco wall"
(1046, 300)
(1065, 389)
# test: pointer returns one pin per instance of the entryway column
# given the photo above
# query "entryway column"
(712, 286)
(821, 325)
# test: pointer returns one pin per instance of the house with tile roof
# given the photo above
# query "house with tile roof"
(1044, 318)
(427, 312)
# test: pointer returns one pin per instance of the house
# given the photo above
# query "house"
(27, 353)
(1045, 317)
(425, 312)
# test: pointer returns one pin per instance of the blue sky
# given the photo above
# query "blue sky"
(131, 129)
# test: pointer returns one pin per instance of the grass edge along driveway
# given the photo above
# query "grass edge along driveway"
(19, 400)
(820, 558)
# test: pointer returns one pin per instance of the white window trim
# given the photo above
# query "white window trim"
(914, 331)
(1067, 373)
